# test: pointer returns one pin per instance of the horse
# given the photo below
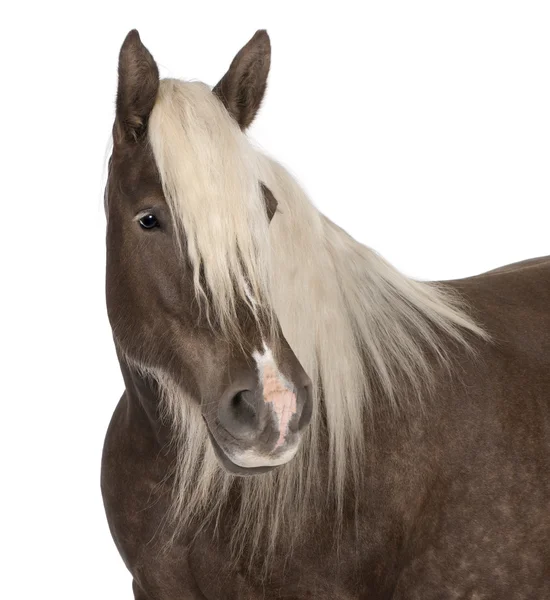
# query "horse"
(299, 419)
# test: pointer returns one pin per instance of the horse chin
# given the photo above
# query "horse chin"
(233, 468)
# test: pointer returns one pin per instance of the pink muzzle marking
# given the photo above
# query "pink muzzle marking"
(283, 400)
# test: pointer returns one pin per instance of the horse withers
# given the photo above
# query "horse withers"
(300, 420)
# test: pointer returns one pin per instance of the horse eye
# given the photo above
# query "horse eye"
(148, 221)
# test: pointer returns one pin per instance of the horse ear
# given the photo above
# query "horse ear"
(138, 83)
(242, 88)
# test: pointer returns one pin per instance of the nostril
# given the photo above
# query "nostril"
(241, 403)
(242, 407)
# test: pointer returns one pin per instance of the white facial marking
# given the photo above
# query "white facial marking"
(250, 459)
(277, 391)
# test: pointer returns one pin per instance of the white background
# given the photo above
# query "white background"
(421, 127)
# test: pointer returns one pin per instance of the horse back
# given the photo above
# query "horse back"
(513, 304)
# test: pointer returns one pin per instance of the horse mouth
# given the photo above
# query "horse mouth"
(232, 467)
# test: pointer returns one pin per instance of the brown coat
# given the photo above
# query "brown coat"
(456, 504)
(455, 498)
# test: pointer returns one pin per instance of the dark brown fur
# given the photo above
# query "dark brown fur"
(243, 87)
(138, 82)
(456, 499)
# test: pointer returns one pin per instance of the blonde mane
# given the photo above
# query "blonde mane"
(360, 329)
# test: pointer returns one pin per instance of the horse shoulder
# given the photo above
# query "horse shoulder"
(136, 494)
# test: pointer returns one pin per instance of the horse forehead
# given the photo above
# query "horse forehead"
(133, 172)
